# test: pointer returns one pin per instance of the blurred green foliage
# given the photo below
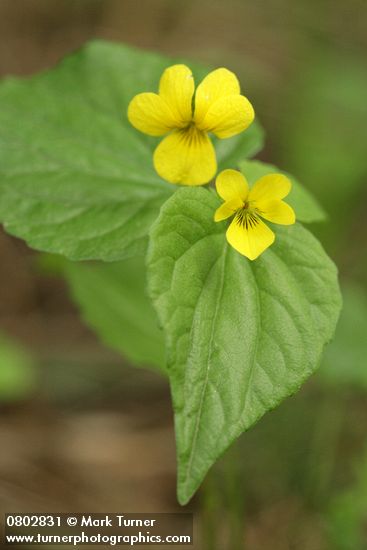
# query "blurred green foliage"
(323, 138)
(348, 512)
(17, 372)
(345, 360)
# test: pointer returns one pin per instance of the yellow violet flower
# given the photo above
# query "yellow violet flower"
(247, 233)
(186, 155)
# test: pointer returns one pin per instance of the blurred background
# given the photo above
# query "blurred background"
(81, 429)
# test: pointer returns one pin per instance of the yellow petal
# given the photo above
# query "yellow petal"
(250, 240)
(276, 211)
(231, 184)
(227, 209)
(177, 87)
(228, 116)
(272, 186)
(187, 157)
(150, 114)
(217, 84)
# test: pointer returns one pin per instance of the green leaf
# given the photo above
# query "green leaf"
(240, 335)
(112, 300)
(75, 177)
(245, 145)
(306, 207)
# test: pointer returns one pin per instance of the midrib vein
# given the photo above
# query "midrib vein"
(202, 397)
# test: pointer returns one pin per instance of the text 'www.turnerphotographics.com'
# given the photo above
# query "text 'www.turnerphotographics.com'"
(100, 529)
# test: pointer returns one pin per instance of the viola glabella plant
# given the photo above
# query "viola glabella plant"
(76, 179)
(187, 155)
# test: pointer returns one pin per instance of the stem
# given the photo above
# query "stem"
(235, 500)
(209, 513)
(222, 517)
(323, 447)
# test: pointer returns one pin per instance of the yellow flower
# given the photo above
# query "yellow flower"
(247, 233)
(186, 155)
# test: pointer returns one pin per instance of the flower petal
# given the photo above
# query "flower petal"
(217, 84)
(252, 240)
(272, 186)
(228, 116)
(177, 88)
(231, 184)
(187, 157)
(150, 114)
(227, 209)
(276, 211)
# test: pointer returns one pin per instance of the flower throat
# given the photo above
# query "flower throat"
(247, 217)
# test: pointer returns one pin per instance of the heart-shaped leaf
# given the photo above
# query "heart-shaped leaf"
(240, 335)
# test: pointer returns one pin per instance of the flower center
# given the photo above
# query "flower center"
(191, 134)
(190, 127)
(246, 216)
